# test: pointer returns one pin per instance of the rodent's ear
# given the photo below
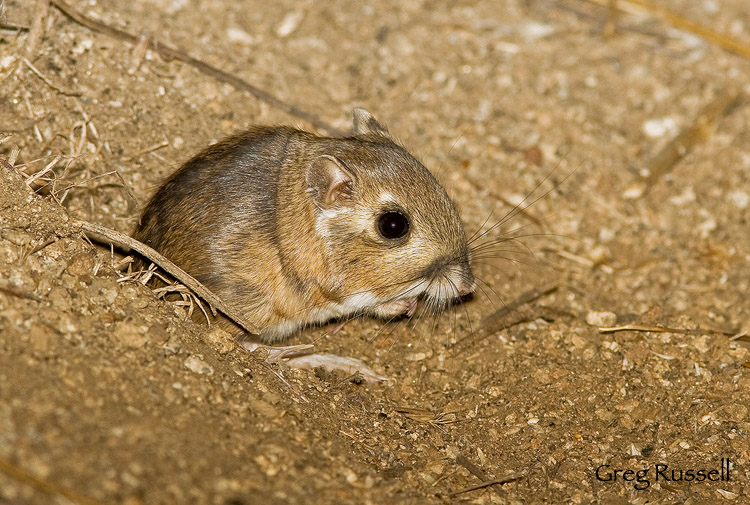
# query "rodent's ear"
(329, 182)
(365, 124)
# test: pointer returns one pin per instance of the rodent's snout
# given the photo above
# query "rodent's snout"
(466, 286)
(449, 279)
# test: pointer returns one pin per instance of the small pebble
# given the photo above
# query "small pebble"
(599, 255)
(741, 199)
(196, 364)
(130, 334)
(290, 23)
(81, 264)
(604, 319)
(60, 298)
(41, 338)
(221, 340)
(659, 127)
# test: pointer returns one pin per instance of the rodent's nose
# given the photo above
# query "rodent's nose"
(466, 287)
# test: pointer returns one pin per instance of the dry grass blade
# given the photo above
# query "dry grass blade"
(161, 145)
(31, 179)
(665, 329)
(481, 475)
(36, 32)
(275, 354)
(741, 335)
(45, 79)
(189, 299)
(14, 291)
(434, 419)
(678, 22)
(502, 480)
(700, 129)
(13, 28)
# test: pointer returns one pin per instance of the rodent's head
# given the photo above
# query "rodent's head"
(391, 232)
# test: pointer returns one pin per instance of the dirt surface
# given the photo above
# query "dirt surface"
(109, 395)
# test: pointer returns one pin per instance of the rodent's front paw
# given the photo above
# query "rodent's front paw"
(403, 307)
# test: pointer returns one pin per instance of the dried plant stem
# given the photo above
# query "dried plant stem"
(666, 329)
(685, 24)
(480, 474)
(102, 234)
(502, 480)
(59, 89)
(700, 129)
(36, 32)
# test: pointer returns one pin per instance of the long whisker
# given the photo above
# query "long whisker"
(494, 307)
(493, 290)
(443, 166)
(520, 207)
(523, 250)
(537, 222)
(509, 233)
(414, 318)
(468, 318)
(492, 265)
(483, 259)
(380, 330)
(501, 240)
(512, 261)
(471, 239)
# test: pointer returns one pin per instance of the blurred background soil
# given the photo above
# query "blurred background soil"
(110, 395)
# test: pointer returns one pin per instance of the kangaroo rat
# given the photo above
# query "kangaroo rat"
(295, 229)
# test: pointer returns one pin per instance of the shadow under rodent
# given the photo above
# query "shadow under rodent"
(295, 229)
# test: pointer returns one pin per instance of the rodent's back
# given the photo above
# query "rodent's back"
(199, 216)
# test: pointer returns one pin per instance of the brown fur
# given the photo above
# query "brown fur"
(258, 219)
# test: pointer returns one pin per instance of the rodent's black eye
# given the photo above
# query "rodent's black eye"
(393, 224)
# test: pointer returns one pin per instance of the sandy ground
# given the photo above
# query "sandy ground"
(109, 395)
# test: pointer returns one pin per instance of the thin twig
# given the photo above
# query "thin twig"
(12, 27)
(502, 480)
(480, 474)
(21, 126)
(49, 83)
(14, 291)
(277, 353)
(170, 53)
(678, 22)
(739, 335)
(36, 33)
(472, 468)
(434, 419)
(41, 246)
(524, 299)
(700, 129)
(286, 382)
(106, 235)
(43, 486)
(664, 329)
(161, 145)
(33, 178)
